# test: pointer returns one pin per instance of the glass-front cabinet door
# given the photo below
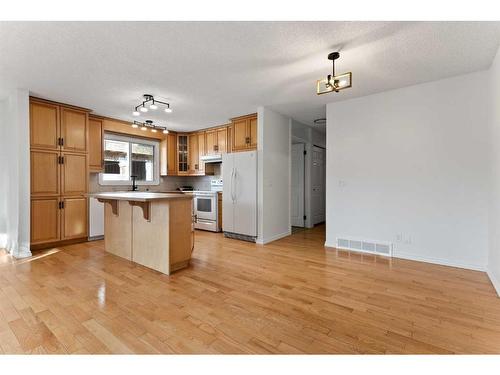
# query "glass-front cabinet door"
(182, 154)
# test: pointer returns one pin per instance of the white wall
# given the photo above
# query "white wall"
(274, 163)
(15, 165)
(494, 229)
(3, 175)
(413, 161)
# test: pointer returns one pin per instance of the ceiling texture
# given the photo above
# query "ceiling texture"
(212, 71)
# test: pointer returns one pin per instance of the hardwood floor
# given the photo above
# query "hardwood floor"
(291, 296)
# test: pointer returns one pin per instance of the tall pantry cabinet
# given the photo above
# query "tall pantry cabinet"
(59, 172)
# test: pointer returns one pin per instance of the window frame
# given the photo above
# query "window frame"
(130, 140)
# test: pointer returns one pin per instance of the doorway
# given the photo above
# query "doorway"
(318, 182)
(297, 208)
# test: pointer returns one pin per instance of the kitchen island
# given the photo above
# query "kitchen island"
(152, 229)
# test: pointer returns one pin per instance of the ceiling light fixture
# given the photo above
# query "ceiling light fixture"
(148, 124)
(152, 103)
(332, 82)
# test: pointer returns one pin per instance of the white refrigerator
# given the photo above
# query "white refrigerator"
(239, 197)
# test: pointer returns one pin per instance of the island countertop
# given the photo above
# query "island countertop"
(139, 196)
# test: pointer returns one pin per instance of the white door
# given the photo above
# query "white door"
(245, 193)
(227, 193)
(297, 204)
(318, 185)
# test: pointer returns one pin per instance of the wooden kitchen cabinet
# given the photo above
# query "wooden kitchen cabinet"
(45, 171)
(168, 155)
(244, 133)
(211, 142)
(73, 174)
(96, 132)
(222, 140)
(216, 141)
(45, 220)
(194, 155)
(44, 125)
(74, 218)
(74, 125)
(59, 164)
(201, 151)
(182, 154)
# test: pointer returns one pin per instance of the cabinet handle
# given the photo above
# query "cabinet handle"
(196, 166)
(60, 141)
(61, 205)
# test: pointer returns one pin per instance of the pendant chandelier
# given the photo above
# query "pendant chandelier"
(148, 124)
(332, 82)
(148, 103)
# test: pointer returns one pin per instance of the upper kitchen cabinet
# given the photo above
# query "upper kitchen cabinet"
(194, 155)
(74, 129)
(182, 154)
(168, 155)
(96, 131)
(222, 140)
(244, 133)
(216, 141)
(201, 151)
(44, 125)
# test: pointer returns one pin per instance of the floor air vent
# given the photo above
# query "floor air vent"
(365, 246)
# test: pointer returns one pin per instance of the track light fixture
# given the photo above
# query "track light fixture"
(332, 82)
(148, 103)
(148, 124)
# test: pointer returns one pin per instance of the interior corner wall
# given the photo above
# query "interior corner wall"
(15, 173)
(494, 204)
(274, 163)
(3, 175)
(411, 166)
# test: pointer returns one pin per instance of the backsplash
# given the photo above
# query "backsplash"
(167, 183)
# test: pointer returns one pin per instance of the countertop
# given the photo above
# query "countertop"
(139, 196)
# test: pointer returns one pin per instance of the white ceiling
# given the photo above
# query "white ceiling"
(212, 71)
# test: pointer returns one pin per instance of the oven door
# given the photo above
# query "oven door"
(206, 207)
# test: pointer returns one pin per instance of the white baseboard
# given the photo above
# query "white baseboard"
(494, 281)
(419, 258)
(263, 241)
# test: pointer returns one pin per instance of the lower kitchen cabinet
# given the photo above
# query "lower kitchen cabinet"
(74, 218)
(45, 220)
(55, 219)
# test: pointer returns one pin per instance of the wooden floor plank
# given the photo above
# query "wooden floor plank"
(290, 296)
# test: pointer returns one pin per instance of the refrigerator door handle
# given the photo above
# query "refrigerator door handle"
(232, 184)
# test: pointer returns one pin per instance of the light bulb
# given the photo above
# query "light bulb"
(153, 106)
(135, 125)
(144, 128)
(165, 131)
(153, 130)
(342, 83)
(168, 110)
(135, 113)
(144, 109)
